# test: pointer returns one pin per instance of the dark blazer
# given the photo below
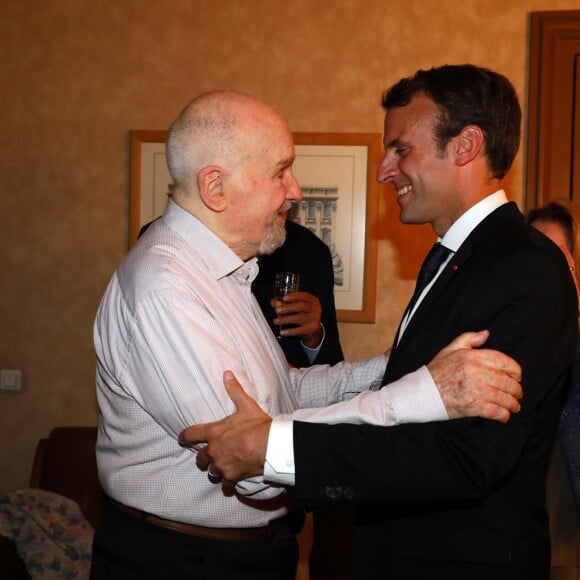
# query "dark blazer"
(307, 254)
(463, 498)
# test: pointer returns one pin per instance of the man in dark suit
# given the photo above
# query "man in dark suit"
(307, 254)
(463, 498)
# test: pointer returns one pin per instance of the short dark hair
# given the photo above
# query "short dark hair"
(468, 95)
(556, 213)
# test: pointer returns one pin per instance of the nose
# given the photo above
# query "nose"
(387, 169)
(294, 191)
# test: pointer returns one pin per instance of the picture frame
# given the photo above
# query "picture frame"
(336, 172)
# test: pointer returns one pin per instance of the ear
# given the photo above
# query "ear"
(468, 144)
(209, 182)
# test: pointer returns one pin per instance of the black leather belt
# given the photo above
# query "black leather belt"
(279, 529)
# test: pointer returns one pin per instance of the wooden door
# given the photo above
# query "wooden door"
(553, 143)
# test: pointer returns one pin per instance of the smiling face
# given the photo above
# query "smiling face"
(423, 176)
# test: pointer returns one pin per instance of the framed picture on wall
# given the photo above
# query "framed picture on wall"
(336, 172)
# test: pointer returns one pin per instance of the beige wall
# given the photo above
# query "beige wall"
(77, 75)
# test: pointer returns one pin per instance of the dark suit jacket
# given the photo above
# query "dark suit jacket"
(462, 498)
(305, 253)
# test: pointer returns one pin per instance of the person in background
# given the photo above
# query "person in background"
(456, 499)
(557, 221)
(311, 312)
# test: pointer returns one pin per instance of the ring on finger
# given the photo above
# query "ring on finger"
(212, 472)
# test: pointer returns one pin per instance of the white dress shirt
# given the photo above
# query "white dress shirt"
(454, 237)
(279, 467)
(177, 313)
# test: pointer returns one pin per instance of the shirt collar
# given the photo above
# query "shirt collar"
(247, 272)
(458, 232)
(220, 260)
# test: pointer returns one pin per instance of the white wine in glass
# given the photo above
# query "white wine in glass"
(286, 282)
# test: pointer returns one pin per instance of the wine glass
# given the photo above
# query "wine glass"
(285, 283)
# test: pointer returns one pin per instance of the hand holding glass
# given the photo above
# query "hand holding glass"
(286, 282)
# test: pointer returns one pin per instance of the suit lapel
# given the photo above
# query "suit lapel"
(430, 300)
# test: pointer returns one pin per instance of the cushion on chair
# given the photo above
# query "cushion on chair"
(52, 536)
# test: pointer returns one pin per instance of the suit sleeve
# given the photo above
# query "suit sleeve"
(528, 302)
(330, 352)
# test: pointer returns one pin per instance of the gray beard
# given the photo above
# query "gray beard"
(274, 237)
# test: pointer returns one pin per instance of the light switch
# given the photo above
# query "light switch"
(10, 380)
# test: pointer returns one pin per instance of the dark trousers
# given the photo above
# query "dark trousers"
(127, 548)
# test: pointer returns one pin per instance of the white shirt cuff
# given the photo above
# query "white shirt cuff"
(406, 392)
(404, 397)
(312, 353)
(279, 466)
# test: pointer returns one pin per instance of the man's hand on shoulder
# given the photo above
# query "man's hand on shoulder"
(476, 382)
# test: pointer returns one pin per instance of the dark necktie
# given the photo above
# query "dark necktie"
(436, 256)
